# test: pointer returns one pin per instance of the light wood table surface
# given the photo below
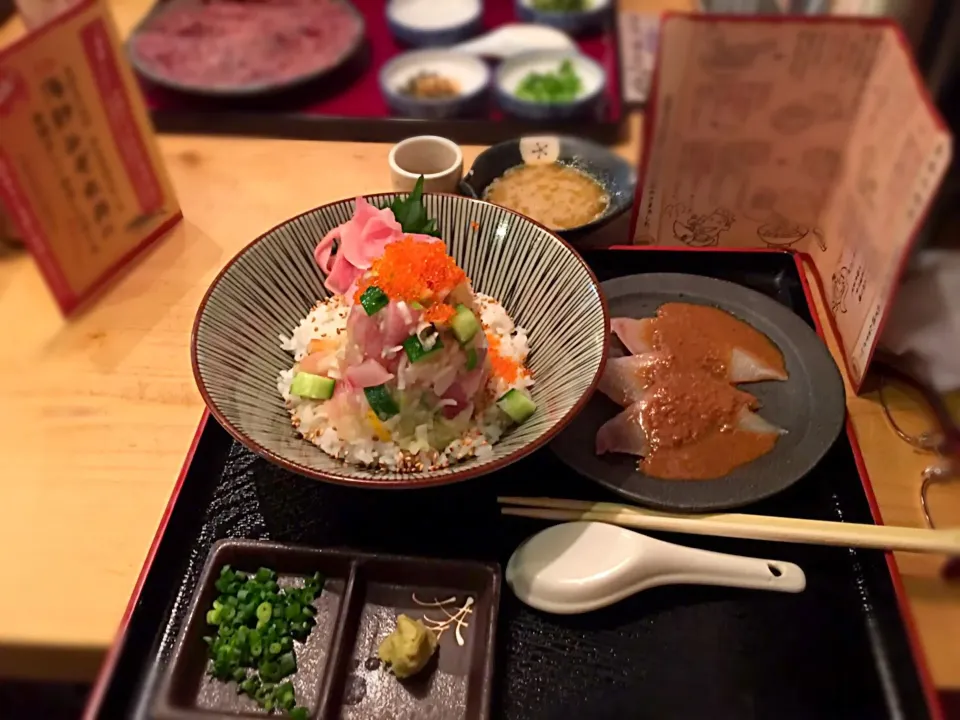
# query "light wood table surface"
(97, 413)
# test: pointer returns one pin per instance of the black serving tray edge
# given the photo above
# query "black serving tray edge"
(204, 443)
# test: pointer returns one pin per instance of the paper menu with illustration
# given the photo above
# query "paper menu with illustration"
(814, 135)
(80, 174)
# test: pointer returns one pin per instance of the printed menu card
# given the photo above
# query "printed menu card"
(80, 174)
(809, 134)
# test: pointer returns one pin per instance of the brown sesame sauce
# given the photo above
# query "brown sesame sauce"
(690, 415)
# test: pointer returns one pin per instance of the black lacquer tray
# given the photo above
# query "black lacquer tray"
(841, 649)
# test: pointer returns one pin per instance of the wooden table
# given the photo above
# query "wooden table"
(97, 413)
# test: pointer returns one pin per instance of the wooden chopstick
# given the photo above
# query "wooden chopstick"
(736, 525)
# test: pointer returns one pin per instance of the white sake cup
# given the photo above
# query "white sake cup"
(438, 159)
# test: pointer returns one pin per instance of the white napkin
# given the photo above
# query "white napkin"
(924, 325)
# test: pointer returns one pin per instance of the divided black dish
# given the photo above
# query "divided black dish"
(338, 674)
(840, 649)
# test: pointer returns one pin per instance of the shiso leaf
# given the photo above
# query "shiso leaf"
(411, 213)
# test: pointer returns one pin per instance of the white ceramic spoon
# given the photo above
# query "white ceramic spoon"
(582, 566)
(516, 38)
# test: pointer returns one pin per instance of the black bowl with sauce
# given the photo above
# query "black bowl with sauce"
(612, 173)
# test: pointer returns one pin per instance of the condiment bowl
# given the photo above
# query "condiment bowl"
(470, 73)
(434, 23)
(611, 171)
(273, 282)
(587, 103)
(574, 22)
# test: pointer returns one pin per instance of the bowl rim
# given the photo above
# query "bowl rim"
(601, 7)
(504, 92)
(457, 475)
(434, 31)
(586, 227)
(456, 100)
(233, 92)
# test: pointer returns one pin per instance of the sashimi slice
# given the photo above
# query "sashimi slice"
(635, 334)
(625, 432)
(369, 373)
(742, 367)
(625, 379)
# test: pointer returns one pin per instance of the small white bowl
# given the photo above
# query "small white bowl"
(573, 22)
(510, 74)
(470, 73)
(438, 159)
(434, 23)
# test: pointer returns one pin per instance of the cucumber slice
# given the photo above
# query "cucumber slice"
(517, 405)
(314, 387)
(415, 351)
(373, 300)
(472, 358)
(381, 401)
(464, 324)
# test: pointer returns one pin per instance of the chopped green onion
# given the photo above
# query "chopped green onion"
(288, 664)
(257, 622)
(264, 612)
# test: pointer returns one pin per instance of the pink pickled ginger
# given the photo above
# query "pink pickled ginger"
(362, 240)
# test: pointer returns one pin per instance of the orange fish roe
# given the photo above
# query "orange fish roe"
(503, 366)
(440, 314)
(413, 271)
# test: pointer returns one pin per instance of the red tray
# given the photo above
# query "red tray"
(349, 106)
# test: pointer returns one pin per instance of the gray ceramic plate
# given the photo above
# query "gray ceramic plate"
(810, 405)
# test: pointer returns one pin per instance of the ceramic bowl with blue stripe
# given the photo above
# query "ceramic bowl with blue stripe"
(469, 73)
(434, 23)
(588, 103)
(542, 283)
(572, 22)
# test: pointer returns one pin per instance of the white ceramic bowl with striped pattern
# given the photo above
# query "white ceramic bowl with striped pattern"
(273, 283)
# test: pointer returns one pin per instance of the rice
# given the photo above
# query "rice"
(413, 452)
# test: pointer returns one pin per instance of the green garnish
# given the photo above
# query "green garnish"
(381, 401)
(256, 622)
(412, 215)
(415, 350)
(472, 358)
(559, 87)
(560, 5)
(374, 300)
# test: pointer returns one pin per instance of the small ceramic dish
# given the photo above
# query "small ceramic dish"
(512, 72)
(470, 73)
(614, 174)
(810, 405)
(574, 22)
(434, 23)
(437, 159)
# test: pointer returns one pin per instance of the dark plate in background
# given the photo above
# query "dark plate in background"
(253, 91)
(841, 649)
(810, 405)
(362, 596)
(614, 174)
